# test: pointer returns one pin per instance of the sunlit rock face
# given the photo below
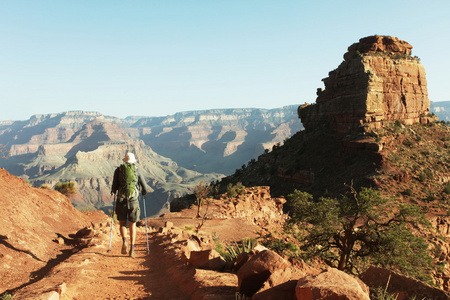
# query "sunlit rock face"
(378, 82)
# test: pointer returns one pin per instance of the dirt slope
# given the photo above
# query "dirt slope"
(31, 219)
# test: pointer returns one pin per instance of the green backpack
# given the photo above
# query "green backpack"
(128, 180)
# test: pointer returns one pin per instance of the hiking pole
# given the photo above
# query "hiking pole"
(112, 223)
(145, 218)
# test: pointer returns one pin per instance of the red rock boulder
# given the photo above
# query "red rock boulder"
(253, 274)
(331, 284)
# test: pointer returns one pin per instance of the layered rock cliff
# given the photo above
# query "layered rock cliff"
(217, 140)
(378, 82)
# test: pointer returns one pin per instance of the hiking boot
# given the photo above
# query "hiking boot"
(124, 247)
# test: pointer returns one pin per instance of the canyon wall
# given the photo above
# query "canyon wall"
(86, 147)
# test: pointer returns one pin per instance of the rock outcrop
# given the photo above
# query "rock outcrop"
(400, 286)
(331, 284)
(378, 82)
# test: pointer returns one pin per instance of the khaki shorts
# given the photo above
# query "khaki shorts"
(128, 210)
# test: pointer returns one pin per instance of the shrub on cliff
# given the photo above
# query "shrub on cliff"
(234, 190)
(66, 188)
(359, 229)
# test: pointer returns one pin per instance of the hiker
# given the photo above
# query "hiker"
(127, 183)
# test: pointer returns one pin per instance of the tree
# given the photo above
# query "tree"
(66, 188)
(361, 226)
(201, 192)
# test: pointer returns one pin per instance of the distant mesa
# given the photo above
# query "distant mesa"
(378, 82)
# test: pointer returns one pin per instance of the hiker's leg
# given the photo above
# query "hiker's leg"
(132, 226)
(123, 229)
(133, 217)
(123, 233)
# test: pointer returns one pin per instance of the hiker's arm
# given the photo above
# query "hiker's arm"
(144, 187)
(115, 183)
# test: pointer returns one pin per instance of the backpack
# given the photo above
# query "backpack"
(127, 180)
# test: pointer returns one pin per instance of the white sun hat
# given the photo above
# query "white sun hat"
(129, 158)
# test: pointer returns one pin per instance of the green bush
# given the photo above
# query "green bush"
(234, 190)
(6, 296)
(422, 177)
(408, 192)
(380, 293)
(447, 189)
(66, 188)
(408, 143)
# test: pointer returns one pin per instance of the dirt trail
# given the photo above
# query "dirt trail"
(95, 273)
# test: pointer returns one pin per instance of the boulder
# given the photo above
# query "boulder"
(401, 286)
(207, 259)
(331, 284)
(281, 283)
(253, 274)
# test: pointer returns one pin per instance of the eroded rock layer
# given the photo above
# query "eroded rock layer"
(378, 82)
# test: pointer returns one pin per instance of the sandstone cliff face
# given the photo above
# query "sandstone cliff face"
(378, 82)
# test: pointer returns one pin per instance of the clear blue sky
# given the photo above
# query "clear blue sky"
(158, 57)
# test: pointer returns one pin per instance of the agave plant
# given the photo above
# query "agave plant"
(232, 251)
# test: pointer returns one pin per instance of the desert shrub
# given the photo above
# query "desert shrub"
(447, 189)
(408, 143)
(6, 296)
(379, 293)
(44, 186)
(87, 208)
(233, 190)
(393, 157)
(422, 177)
(281, 247)
(425, 152)
(408, 192)
(430, 198)
(66, 188)
(398, 126)
(428, 173)
(239, 296)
